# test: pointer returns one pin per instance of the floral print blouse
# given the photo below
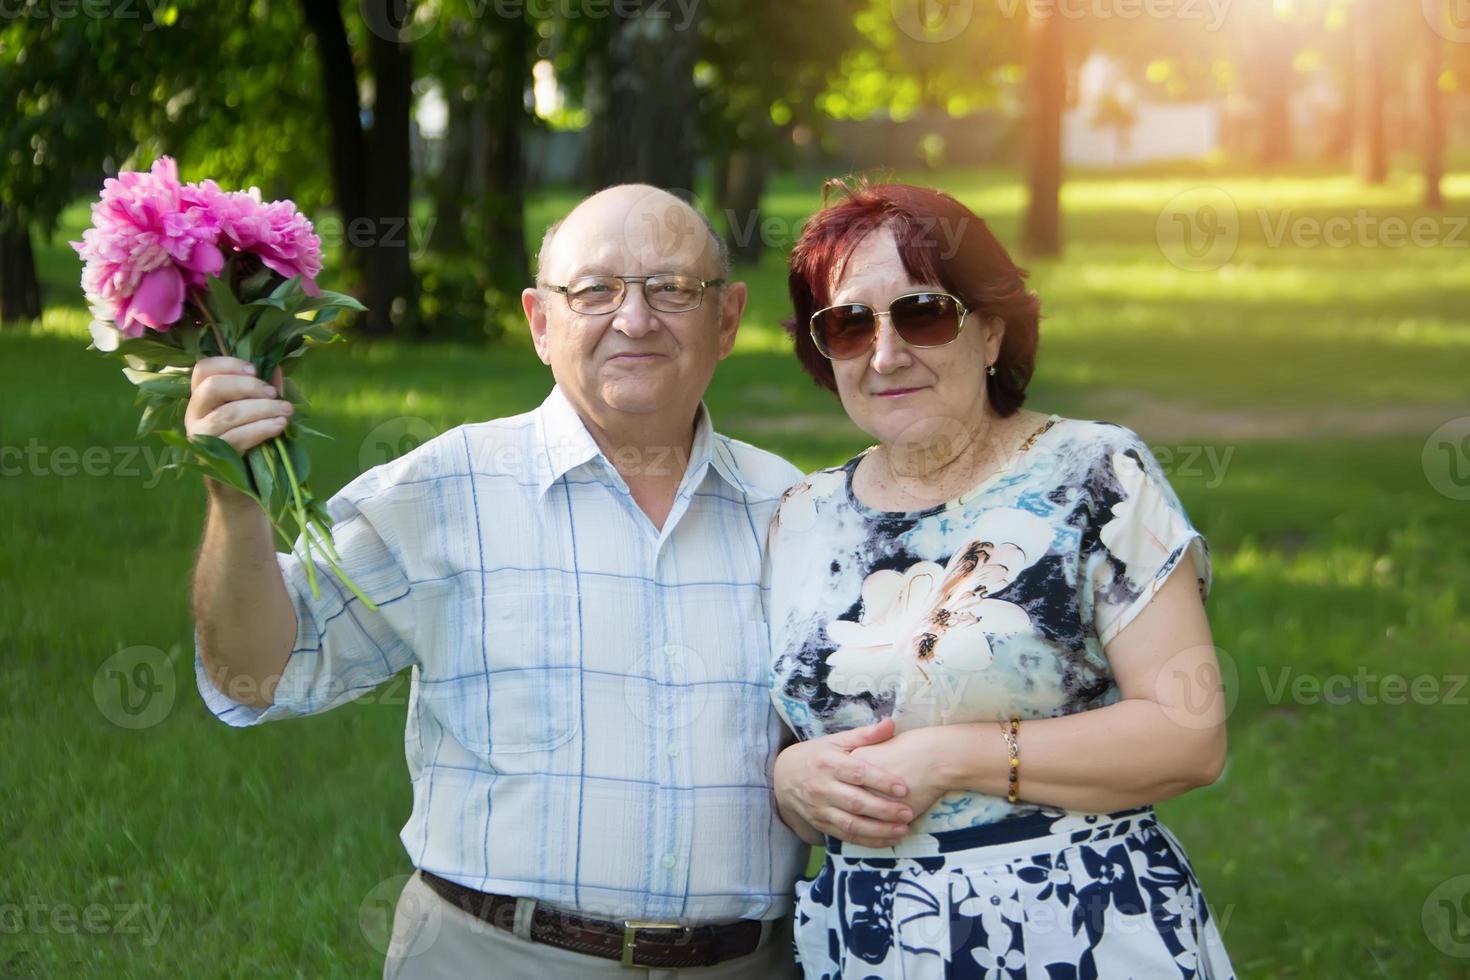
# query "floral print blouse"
(999, 602)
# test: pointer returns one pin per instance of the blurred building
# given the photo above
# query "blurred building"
(1112, 126)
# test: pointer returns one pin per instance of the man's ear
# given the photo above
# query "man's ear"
(534, 303)
(732, 307)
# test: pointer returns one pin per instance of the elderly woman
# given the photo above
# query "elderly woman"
(989, 635)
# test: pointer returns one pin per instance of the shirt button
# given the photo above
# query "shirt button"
(673, 751)
(668, 860)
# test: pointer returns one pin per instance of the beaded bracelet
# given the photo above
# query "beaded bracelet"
(1010, 733)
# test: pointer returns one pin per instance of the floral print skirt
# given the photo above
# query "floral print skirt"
(1038, 896)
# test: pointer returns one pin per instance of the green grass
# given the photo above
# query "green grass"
(1320, 371)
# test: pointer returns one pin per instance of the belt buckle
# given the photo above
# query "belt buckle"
(631, 927)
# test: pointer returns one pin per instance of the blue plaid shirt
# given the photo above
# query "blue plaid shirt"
(589, 719)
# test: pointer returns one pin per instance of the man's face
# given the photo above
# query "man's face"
(635, 360)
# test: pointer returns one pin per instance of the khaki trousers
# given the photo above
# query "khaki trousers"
(433, 938)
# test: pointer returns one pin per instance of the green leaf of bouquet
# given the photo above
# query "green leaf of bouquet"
(321, 334)
(285, 288)
(157, 383)
(300, 461)
(318, 510)
(254, 284)
(329, 298)
(272, 301)
(229, 315)
(267, 328)
(182, 466)
(154, 417)
(262, 472)
(288, 337)
(219, 456)
(154, 352)
(308, 430)
(292, 392)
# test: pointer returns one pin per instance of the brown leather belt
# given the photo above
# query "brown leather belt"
(643, 944)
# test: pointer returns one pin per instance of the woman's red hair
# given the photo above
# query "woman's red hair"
(940, 242)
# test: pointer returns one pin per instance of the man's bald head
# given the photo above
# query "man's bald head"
(634, 367)
(654, 226)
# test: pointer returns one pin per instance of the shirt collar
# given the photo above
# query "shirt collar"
(566, 444)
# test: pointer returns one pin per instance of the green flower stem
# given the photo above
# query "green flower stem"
(203, 306)
(269, 454)
(326, 538)
(313, 531)
(300, 512)
(345, 579)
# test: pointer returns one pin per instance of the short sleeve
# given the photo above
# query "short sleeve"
(343, 649)
(1140, 534)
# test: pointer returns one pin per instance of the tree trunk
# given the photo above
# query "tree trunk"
(370, 170)
(20, 290)
(1371, 149)
(743, 183)
(453, 179)
(650, 127)
(1046, 83)
(345, 146)
(1272, 76)
(1274, 148)
(1433, 122)
(502, 207)
(391, 293)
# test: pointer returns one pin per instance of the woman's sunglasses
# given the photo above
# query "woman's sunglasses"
(921, 319)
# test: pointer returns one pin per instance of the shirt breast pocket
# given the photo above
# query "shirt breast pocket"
(512, 689)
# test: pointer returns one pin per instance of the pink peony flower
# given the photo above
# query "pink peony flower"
(152, 238)
(158, 302)
(147, 241)
(277, 232)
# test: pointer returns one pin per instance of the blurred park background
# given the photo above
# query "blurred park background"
(1248, 221)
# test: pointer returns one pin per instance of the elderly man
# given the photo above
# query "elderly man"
(577, 593)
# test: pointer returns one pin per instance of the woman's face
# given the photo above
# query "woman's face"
(906, 395)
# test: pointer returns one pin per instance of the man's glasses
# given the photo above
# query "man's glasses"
(921, 319)
(668, 292)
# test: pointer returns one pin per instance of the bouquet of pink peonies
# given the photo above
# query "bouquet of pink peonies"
(178, 272)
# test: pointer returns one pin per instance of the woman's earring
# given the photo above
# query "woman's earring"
(991, 372)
